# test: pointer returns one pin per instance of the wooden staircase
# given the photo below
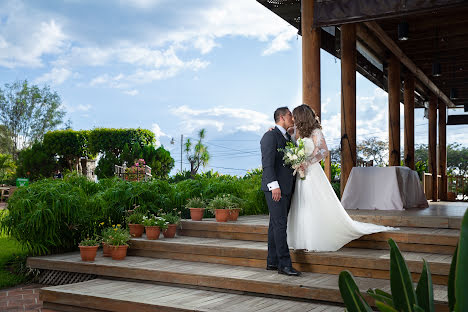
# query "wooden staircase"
(224, 263)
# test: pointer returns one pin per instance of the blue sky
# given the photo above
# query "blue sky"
(177, 66)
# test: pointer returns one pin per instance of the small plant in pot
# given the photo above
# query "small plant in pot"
(153, 226)
(88, 248)
(236, 206)
(173, 219)
(106, 248)
(135, 224)
(220, 206)
(118, 242)
(197, 208)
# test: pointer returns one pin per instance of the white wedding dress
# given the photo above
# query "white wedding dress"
(317, 221)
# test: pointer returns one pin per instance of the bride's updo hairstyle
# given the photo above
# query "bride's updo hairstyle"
(306, 120)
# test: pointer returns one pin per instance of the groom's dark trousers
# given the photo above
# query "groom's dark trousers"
(274, 170)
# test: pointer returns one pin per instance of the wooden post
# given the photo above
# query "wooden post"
(432, 145)
(409, 121)
(310, 58)
(443, 150)
(394, 111)
(348, 102)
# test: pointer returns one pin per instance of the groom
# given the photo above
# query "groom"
(278, 186)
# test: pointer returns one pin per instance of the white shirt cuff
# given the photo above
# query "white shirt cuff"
(273, 185)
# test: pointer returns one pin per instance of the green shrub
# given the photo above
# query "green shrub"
(55, 215)
(90, 241)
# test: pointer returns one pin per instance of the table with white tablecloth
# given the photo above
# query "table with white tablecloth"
(383, 188)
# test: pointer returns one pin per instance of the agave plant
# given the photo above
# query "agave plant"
(404, 297)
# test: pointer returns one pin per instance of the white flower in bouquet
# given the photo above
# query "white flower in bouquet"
(295, 156)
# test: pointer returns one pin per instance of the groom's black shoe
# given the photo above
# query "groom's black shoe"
(289, 271)
(271, 267)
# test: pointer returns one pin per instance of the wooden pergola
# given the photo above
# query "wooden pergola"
(414, 50)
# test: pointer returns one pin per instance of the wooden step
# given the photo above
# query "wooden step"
(361, 262)
(114, 295)
(255, 228)
(310, 286)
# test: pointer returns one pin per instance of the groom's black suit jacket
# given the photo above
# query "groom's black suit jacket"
(272, 162)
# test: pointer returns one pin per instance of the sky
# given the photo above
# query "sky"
(175, 67)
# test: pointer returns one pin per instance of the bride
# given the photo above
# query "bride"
(317, 221)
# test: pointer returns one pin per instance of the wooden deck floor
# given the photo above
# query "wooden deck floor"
(313, 286)
(126, 296)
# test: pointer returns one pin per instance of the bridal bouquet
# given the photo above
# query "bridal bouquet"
(294, 156)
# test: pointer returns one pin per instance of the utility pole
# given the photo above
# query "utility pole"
(181, 149)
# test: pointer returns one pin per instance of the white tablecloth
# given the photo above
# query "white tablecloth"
(383, 188)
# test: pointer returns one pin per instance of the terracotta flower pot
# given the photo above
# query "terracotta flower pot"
(222, 215)
(196, 214)
(451, 196)
(119, 252)
(152, 232)
(106, 250)
(170, 232)
(88, 253)
(136, 230)
(233, 214)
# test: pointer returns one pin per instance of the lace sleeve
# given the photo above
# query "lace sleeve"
(320, 151)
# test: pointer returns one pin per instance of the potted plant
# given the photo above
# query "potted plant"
(135, 224)
(173, 219)
(220, 206)
(118, 242)
(197, 208)
(88, 248)
(106, 248)
(153, 226)
(235, 208)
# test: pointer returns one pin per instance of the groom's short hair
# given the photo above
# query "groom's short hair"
(280, 111)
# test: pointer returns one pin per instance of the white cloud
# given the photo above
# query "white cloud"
(57, 76)
(76, 108)
(281, 42)
(131, 92)
(158, 133)
(24, 42)
(233, 119)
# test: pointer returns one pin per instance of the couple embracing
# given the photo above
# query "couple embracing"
(305, 213)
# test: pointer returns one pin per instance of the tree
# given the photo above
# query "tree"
(457, 159)
(7, 167)
(36, 162)
(199, 156)
(373, 149)
(28, 112)
(6, 144)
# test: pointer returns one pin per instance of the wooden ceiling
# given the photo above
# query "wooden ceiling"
(440, 34)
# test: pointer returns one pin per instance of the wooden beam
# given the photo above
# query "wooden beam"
(418, 73)
(394, 111)
(433, 145)
(348, 101)
(310, 58)
(409, 121)
(443, 150)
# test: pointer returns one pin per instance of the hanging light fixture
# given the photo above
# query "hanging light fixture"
(453, 93)
(436, 69)
(403, 31)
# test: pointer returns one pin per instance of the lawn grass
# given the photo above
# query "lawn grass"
(9, 250)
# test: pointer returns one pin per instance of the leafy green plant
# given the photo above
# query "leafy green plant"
(195, 202)
(90, 241)
(220, 202)
(135, 218)
(117, 236)
(155, 221)
(403, 298)
(172, 218)
(458, 282)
